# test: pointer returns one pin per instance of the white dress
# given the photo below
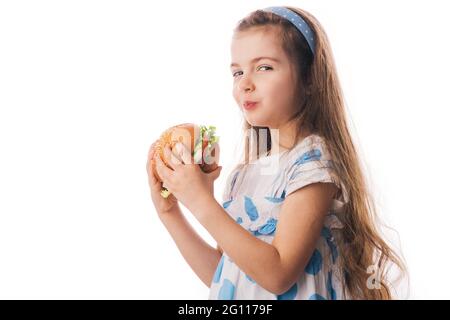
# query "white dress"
(253, 197)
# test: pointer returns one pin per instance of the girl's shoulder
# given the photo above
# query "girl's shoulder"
(311, 159)
(312, 147)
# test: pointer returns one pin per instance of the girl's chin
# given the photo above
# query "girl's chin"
(257, 121)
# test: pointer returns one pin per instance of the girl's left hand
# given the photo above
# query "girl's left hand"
(187, 181)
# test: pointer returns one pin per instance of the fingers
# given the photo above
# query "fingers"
(171, 158)
(154, 183)
(184, 153)
(150, 161)
(151, 151)
(213, 175)
(163, 171)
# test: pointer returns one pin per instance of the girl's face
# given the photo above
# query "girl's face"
(262, 73)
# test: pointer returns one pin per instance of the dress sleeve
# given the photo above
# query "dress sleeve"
(311, 164)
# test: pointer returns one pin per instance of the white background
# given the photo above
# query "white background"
(87, 86)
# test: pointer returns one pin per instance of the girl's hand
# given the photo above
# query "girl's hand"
(162, 205)
(186, 181)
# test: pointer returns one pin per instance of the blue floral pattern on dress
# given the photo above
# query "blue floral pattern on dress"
(254, 201)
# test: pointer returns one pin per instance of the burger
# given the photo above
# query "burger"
(200, 140)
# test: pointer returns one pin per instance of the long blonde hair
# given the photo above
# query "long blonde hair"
(321, 111)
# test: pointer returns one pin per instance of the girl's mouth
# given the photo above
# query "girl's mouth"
(250, 105)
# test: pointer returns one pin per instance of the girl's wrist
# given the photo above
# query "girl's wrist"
(170, 213)
(203, 206)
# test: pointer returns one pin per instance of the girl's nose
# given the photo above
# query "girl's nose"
(246, 85)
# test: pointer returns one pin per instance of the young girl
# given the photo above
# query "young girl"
(304, 228)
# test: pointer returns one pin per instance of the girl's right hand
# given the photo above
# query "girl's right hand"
(162, 205)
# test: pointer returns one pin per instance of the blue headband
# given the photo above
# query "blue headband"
(297, 21)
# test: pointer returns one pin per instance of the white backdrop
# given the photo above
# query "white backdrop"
(86, 86)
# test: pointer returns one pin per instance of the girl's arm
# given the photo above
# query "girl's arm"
(275, 266)
(200, 256)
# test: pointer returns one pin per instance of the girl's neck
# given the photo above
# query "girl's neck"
(283, 138)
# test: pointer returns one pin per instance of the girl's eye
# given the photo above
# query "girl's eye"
(269, 68)
(234, 74)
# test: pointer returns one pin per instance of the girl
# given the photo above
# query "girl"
(306, 228)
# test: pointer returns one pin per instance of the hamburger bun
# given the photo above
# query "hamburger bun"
(201, 142)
